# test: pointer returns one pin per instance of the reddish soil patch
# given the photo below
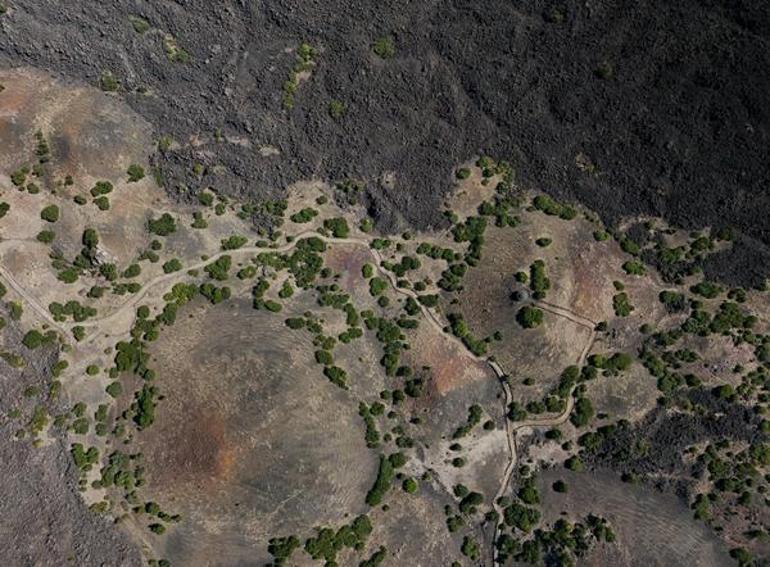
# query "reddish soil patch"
(195, 455)
(347, 260)
(451, 368)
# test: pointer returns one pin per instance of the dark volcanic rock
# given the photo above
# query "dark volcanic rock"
(628, 107)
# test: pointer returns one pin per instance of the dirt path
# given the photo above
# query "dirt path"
(566, 313)
(178, 276)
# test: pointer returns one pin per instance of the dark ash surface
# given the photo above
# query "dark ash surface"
(664, 103)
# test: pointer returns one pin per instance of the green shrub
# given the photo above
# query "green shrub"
(706, 289)
(135, 173)
(234, 242)
(385, 47)
(114, 389)
(102, 203)
(173, 265)
(281, 548)
(550, 207)
(338, 227)
(46, 236)
(675, 302)
(68, 275)
(50, 213)
(582, 412)
(108, 82)
(101, 188)
(377, 286)
(162, 226)
(622, 305)
(382, 484)
(34, 339)
(336, 376)
(470, 548)
(140, 24)
(304, 216)
(219, 269)
(539, 282)
(529, 317)
(337, 109)
(634, 268)
(630, 247)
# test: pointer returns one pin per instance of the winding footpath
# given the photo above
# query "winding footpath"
(513, 427)
(174, 277)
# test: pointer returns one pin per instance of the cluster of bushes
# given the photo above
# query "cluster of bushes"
(304, 216)
(34, 339)
(538, 280)
(234, 242)
(472, 232)
(385, 475)
(674, 301)
(162, 226)
(305, 60)
(220, 268)
(460, 329)
(258, 295)
(549, 206)
(101, 188)
(406, 264)
(618, 362)
(122, 472)
(328, 542)
(368, 413)
(213, 293)
(452, 278)
(84, 458)
(144, 406)
(502, 209)
(305, 262)
(338, 227)
(474, 418)
(582, 412)
(728, 317)
(72, 309)
(436, 252)
(282, 548)
(392, 339)
(707, 289)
